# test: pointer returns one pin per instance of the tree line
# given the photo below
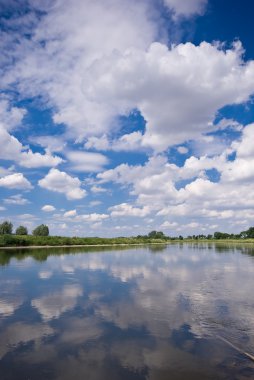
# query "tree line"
(6, 228)
(248, 234)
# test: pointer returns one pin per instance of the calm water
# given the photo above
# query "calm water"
(155, 313)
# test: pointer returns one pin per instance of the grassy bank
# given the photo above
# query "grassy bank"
(40, 241)
(30, 240)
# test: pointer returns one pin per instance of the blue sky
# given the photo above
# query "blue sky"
(119, 117)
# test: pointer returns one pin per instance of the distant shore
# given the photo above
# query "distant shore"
(131, 243)
(82, 245)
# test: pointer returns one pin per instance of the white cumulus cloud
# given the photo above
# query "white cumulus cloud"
(48, 208)
(62, 182)
(125, 209)
(15, 181)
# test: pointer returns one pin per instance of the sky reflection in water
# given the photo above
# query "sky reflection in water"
(141, 313)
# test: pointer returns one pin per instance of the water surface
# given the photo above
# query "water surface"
(157, 313)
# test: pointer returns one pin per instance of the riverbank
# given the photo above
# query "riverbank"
(29, 241)
(81, 245)
(19, 241)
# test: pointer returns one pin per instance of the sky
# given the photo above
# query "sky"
(118, 117)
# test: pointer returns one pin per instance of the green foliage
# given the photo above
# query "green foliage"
(156, 235)
(41, 230)
(6, 228)
(21, 230)
(40, 237)
(221, 235)
(249, 234)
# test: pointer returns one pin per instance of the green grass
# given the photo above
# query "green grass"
(29, 240)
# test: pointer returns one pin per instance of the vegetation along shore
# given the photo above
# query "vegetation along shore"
(40, 237)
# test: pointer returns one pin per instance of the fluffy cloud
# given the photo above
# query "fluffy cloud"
(242, 168)
(125, 209)
(94, 217)
(50, 143)
(15, 181)
(62, 182)
(11, 147)
(35, 160)
(91, 62)
(11, 116)
(128, 142)
(199, 80)
(157, 190)
(48, 208)
(77, 34)
(130, 71)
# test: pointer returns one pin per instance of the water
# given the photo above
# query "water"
(156, 313)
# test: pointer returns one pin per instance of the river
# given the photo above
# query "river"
(177, 312)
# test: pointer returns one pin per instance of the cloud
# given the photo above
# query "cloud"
(128, 142)
(16, 200)
(70, 213)
(77, 34)
(98, 189)
(15, 181)
(125, 209)
(98, 143)
(92, 62)
(48, 208)
(186, 8)
(156, 188)
(62, 182)
(182, 150)
(125, 71)
(35, 160)
(95, 203)
(199, 80)
(51, 143)
(93, 217)
(86, 161)
(12, 149)
(11, 116)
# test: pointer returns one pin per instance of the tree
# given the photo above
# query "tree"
(6, 228)
(21, 230)
(156, 235)
(249, 233)
(221, 235)
(41, 230)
